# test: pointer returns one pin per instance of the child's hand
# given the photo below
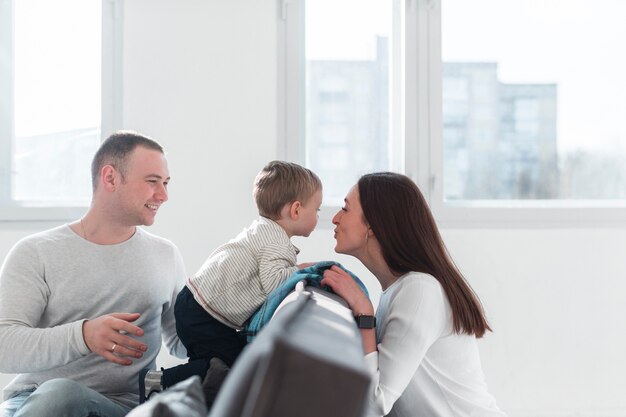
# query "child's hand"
(306, 265)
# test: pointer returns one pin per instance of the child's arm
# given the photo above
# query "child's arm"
(276, 264)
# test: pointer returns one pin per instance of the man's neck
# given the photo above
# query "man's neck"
(101, 230)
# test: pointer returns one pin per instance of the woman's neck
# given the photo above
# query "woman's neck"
(384, 275)
(375, 262)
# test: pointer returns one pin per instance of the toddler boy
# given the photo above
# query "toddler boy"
(237, 277)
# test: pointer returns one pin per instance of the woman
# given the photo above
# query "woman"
(422, 351)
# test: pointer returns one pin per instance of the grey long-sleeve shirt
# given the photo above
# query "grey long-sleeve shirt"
(52, 281)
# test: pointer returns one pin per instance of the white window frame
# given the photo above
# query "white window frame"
(422, 152)
(112, 22)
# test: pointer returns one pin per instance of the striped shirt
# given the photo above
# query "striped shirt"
(238, 276)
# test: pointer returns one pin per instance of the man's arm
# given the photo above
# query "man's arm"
(23, 299)
(24, 347)
(168, 322)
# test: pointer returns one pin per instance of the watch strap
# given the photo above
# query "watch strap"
(365, 322)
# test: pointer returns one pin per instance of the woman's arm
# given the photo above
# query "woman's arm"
(414, 319)
(344, 286)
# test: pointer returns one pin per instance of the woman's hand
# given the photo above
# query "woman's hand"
(343, 285)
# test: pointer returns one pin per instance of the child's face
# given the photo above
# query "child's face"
(309, 213)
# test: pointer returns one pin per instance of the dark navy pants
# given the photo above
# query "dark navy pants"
(204, 337)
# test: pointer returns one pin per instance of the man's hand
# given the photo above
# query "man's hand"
(107, 337)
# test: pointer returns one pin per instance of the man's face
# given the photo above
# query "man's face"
(144, 186)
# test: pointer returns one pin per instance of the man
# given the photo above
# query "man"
(83, 306)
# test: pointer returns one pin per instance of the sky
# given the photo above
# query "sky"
(57, 65)
(335, 31)
(577, 44)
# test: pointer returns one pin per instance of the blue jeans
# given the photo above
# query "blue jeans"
(61, 398)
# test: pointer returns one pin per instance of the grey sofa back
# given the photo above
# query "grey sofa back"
(308, 361)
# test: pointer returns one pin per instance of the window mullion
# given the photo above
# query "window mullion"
(430, 52)
(396, 148)
(419, 47)
(112, 22)
(290, 82)
(6, 99)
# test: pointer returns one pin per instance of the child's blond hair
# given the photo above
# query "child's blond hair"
(281, 183)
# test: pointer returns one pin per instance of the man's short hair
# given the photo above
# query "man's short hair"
(115, 151)
(281, 183)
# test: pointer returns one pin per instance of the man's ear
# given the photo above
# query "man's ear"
(108, 177)
(294, 209)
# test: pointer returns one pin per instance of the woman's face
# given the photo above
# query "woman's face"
(350, 227)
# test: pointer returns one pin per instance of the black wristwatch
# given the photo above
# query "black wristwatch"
(365, 322)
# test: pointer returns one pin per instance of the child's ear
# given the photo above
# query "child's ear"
(294, 210)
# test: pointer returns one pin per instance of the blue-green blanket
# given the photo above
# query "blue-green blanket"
(312, 275)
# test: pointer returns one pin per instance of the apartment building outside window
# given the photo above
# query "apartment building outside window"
(502, 111)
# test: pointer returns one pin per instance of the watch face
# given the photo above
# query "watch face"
(366, 322)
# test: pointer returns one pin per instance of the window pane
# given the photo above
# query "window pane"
(347, 120)
(533, 99)
(57, 100)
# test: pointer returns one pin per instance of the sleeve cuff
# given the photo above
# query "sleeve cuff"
(79, 340)
(371, 361)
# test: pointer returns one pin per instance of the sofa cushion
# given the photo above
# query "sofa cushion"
(184, 399)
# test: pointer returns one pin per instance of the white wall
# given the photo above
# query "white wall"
(200, 77)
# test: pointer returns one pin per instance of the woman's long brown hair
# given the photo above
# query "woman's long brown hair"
(399, 216)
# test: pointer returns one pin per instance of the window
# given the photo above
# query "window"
(503, 112)
(345, 78)
(60, 83)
